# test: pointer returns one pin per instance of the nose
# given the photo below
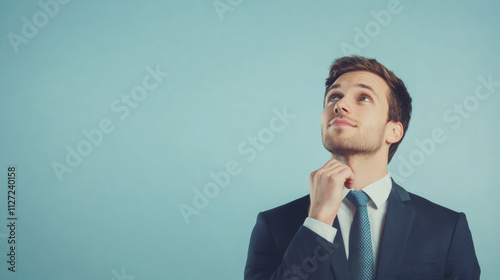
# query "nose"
(341, 107)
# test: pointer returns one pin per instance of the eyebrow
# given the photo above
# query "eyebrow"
(335, 86)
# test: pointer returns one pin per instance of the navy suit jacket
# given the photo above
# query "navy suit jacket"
(420, 240)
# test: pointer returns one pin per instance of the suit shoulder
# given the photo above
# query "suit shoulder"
(424, 202)
(292, 206)
(291, 213)
(420, 203)
(433, 210)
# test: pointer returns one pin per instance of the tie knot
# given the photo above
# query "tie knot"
(358, 198)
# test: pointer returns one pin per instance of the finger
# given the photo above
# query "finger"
(350, 178)
(337, 177)
(339, 167)
(313, 174)
(329, 164)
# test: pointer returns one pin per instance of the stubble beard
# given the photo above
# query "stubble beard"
(346, 146)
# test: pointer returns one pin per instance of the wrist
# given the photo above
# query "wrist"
(324, 218)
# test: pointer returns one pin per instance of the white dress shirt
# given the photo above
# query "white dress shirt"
(377, 192)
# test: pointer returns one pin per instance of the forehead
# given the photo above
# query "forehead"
(362, 79)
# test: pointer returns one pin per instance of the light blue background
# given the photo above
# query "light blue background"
(117, 213)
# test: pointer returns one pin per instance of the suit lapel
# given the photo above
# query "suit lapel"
(339, 263)
(398, 222)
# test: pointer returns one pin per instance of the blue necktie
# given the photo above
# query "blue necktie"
(361, 261)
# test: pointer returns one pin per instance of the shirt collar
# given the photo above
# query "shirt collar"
(378, 191)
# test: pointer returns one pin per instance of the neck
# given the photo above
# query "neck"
(366, 168)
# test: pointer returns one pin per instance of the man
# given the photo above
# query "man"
(357, 223)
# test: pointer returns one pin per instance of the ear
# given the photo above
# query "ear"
(394, 132)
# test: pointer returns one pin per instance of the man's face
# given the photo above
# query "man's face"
(354, 119)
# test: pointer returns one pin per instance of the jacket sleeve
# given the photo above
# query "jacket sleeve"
(462, 262)
(308, 255)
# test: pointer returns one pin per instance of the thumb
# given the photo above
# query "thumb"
(349, 183)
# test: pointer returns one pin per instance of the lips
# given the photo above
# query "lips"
(341, 122)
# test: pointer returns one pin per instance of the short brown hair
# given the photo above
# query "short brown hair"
(399, 98)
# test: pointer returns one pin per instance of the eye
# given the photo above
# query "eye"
(334, 97)
(365, 98)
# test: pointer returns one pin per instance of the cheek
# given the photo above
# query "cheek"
(367, 115)
(374, 119)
